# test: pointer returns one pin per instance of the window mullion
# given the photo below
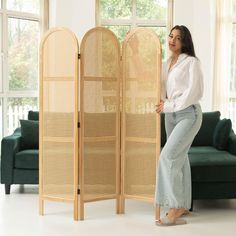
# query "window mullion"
(170, 8)
(4, 4)
(116, 22)
(21, 15)
(134, 12)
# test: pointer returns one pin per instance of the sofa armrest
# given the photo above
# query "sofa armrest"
(232, 143)
(10, 146)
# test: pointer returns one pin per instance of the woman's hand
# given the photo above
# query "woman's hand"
(160, 107)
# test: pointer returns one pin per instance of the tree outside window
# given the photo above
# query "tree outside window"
(120, 16)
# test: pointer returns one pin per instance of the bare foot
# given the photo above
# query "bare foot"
(175, 213)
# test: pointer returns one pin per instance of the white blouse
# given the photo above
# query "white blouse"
(182, 85)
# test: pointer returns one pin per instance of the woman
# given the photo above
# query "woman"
(182, 88)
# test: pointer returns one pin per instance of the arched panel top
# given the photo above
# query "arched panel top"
(141, 35)
(59, 47)
(141, 54)
(100, 49)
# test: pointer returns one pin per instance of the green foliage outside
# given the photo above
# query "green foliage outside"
(23, 42)
(122, 9)
(22, 101)
(152, 9)
(113, 9)
(31, 6)
(23, 54)
(145, 10)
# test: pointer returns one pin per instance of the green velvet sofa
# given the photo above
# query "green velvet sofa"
(212, 158)
(19, 160)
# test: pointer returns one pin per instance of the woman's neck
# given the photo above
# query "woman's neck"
(175, 56)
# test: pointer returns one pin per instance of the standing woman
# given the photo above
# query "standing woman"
(182, 88)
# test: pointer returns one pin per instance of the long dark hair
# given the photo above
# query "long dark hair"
(186, 40)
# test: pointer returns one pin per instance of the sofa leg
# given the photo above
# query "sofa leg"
(7, 188)
(191, 209)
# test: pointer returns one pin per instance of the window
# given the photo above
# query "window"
(233, 67)
(120, 16)
(20, 27)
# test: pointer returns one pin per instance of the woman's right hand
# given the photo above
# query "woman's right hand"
(160, 107)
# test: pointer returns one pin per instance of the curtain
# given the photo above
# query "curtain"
(223, 37)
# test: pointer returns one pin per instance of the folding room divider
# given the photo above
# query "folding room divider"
(99, 132)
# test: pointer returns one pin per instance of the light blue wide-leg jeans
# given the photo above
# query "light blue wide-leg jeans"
(173, 183)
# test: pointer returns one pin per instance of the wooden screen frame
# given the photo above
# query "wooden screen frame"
(158, 127)
(115, 196)
(43, 197)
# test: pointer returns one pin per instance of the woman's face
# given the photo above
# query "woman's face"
(175, 44)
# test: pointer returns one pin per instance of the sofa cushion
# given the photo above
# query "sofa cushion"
(29, 134)
(27, 159)
(221, 134)
(33, 115)
(204, 136)
(211, 165)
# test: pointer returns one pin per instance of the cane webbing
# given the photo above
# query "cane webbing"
(141, 73)
(100, 74)
(58, 114)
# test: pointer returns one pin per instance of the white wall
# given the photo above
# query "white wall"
(77, 15)
(197, 15)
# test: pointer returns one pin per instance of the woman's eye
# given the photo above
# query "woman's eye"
(171, 36)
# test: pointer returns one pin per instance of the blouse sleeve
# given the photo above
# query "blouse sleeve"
(192, 94)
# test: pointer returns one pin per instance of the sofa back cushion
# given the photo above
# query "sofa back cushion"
(221, 134)
(206, 132)
(29, 134)
(33, 115)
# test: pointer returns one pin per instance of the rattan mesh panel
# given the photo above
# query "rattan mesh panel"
(141, 71)
(60, 51)
(140, 168)
(100, 165)
(58, 169)
(100, 76)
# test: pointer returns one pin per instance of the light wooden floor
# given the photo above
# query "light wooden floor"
(19, 217)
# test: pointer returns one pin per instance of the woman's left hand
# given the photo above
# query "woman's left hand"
(160, 107)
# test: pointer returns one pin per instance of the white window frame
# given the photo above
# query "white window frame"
(5, 93)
